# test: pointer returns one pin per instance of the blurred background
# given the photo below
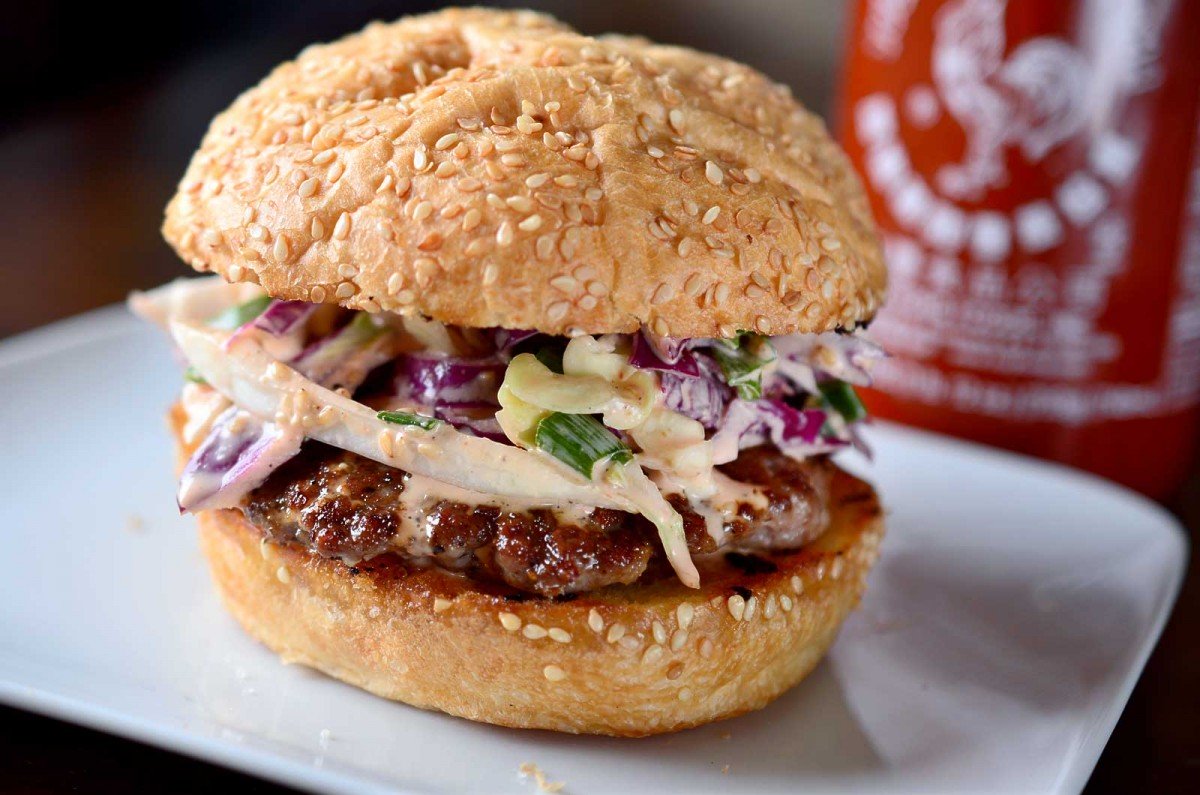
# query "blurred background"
(103, 117)
(107, 104)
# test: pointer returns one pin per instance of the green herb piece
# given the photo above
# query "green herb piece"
(237, 316)
(406, 418)
(842, 398)
(742, 371)
(193, 375)
(580, 441)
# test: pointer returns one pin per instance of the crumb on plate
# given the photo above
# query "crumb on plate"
(530, 769)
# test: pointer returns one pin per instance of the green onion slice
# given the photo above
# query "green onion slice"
(406, 418)
(742, 371)
(580, 441)
(238, 316)
(842, 398)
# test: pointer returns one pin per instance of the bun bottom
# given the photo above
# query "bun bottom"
(626, 661)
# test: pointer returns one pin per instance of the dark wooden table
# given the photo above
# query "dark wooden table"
(1155, 748)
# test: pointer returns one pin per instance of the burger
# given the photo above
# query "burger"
(515, 387)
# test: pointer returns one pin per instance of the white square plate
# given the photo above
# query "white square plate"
(1011, 612)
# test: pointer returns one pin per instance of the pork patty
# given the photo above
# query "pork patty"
(339, 504)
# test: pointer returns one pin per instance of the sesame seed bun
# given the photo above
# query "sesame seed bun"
(490, 168)
(624, 660)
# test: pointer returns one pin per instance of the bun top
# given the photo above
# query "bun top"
(493, 168)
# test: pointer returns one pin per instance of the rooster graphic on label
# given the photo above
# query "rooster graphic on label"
(1033, 98)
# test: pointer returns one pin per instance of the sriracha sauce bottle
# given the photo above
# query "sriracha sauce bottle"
(1035, 171)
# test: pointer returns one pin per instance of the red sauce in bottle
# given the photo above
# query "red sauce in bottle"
(1035, 171)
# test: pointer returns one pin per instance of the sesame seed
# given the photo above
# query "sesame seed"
(420, 159)
(559, 634)
(711, 214)
(675, 119)
(471, 219)
(504, 234)
(469, 185)
(336, 171)
(737, 606)
(537, 180)
(593, 194)
(595, 621)
(684, 614)
(654, 152)
(385, 183)
(316, 229)
(534, 631)
(630, 642)
(713, 173)
(660, 327)
(663, 293)
(441, 605)
(475, 247)
(564, 283)
(345, 290)
(566, 181)
(322, 158)
(615, 633)
(281, 250)
(394, 283)
(753, 175)
(785, 602)
(342, 228)
(769, 609)
(235, 272)
(554, 673)
(678, 639)
(685, 694)
(512, 160)
(282, 575)
(308, 187)
(721, 293)
(446, 141)
(835, 570)
(510, 621)
(527, 126)
(762, 324)
(347, 271)
(531, 224)
(445, 169)
(558, 311)
(422, 211)
(659, 632)
(522, 204)
(674, 670)
(652, 655)
(317, 294)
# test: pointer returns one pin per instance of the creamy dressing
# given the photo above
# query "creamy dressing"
(201, 405)
(421, 493)
(720, 504)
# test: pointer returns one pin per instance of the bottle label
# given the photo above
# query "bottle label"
(1031, 226)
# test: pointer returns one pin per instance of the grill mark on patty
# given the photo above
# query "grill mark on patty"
(341, 505)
